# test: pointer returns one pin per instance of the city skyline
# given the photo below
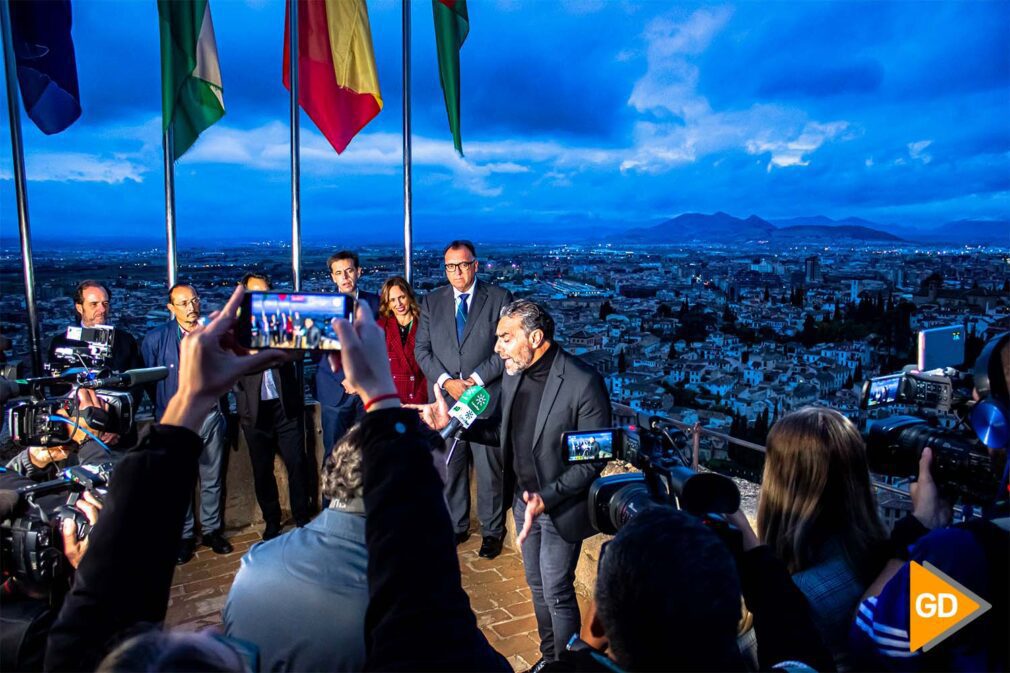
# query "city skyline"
(885, 111)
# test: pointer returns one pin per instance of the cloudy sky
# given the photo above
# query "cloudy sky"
(577, 116)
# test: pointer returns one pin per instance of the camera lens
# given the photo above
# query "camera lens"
(628, 502)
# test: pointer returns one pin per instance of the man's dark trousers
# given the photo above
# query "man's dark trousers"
(275, 432)
(549, 562)
(487, 463)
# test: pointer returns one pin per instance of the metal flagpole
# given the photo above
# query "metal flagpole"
(21, 188)
(296, 214)
(168, 143)
(408, 197)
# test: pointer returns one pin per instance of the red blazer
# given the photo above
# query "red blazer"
(407, 375)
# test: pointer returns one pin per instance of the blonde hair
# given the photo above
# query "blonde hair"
(400, 282)
(816, 487)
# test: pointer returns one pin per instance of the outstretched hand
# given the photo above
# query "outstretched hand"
(363, 356)
(436, 414)
(210, 362)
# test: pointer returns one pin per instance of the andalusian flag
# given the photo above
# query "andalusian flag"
(451, 28)
(191, 93)
(338, 84)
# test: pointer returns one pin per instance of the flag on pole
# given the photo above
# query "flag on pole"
(338, 83)
(46, 64)
(192, 97)
(451, 27)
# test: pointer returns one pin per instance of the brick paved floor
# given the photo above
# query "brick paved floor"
(497, 589)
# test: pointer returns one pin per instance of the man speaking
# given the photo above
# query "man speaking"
(545, 392)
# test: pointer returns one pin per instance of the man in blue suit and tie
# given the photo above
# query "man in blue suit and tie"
(340, 408)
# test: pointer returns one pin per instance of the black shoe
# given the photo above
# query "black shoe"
(543, 666)
(461, 538)
(187, 547)
(537, 667)
(271, 531)
(217, 542)
(490, 547)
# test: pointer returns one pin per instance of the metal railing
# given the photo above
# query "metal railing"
(629, 415)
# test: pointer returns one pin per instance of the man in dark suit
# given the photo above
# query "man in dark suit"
(340, 408)
(269, 404)
(161, 349)
(545, 392)
(92, 302)
(455, 348)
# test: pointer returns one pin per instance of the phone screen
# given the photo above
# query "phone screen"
(293, 321)
(581, 447)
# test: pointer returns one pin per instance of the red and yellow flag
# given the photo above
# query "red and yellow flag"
(338, 84)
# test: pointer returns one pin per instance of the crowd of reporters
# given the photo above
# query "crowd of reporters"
(373, 581)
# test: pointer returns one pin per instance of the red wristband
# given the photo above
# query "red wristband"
(380, 398)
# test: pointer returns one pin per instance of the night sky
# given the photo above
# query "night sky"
(577, 117)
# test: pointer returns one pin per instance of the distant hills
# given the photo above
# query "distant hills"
(724, 228)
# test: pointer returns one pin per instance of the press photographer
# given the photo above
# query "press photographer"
(95, 343)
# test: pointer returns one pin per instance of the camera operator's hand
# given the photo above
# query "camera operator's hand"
(86, 398)
(534, 507)
(927, 505)
(73, 548)
(742, 523)
(364, 358)
(43, 456)
(436, 414)
(210, 362)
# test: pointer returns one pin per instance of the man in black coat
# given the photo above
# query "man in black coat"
(455, 349)
(545, 392)
(269, 404)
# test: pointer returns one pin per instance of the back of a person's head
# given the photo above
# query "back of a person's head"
(816, 488)
(341, 475)
(668, 595)
(157, 650)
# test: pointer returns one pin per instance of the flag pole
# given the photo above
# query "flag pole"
(21, 188)
(408, 197)
(167, 142)
(296, 214)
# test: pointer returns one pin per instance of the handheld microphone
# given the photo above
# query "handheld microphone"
(470, 405)
(129, 378)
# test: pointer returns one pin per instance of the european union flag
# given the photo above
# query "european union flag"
(47, 67)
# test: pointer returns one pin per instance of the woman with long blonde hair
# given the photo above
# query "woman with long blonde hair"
(818, 513)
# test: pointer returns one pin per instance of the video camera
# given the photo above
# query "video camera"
(31, 542)
(665, 478)
(968, 458)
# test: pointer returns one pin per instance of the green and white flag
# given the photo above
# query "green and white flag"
(191, 91)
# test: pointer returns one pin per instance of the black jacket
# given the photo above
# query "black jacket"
(419, 617)
(125, 577)
(575, 398)
(247, 394)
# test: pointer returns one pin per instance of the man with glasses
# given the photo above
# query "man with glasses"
(339, 408)
(161, 349)
(455, 348)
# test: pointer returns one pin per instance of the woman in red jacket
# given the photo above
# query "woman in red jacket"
(399, 314)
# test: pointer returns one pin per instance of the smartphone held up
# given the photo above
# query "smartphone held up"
(291, 320)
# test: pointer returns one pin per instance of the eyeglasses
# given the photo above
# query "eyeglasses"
(195, 301)
(462, 266)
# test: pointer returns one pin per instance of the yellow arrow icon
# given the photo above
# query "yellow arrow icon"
(938, 606)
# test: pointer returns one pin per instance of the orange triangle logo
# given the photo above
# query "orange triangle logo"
(938, 606)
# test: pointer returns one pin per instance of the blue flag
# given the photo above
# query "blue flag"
(47, 67)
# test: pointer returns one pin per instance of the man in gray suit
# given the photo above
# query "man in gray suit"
(545, 392)
(455, 348)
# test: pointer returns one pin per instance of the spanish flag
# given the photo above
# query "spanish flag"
(338, 84)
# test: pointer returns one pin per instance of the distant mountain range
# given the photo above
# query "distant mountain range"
(724, 228)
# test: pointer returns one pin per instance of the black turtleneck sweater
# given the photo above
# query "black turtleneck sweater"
(523, 419)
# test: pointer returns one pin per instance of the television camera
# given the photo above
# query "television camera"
(969, 457)
(51, 414)
(664, 479)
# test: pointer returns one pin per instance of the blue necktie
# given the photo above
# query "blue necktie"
(461, 317)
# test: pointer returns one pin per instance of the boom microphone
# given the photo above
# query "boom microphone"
(471, 404)
(129, 378)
